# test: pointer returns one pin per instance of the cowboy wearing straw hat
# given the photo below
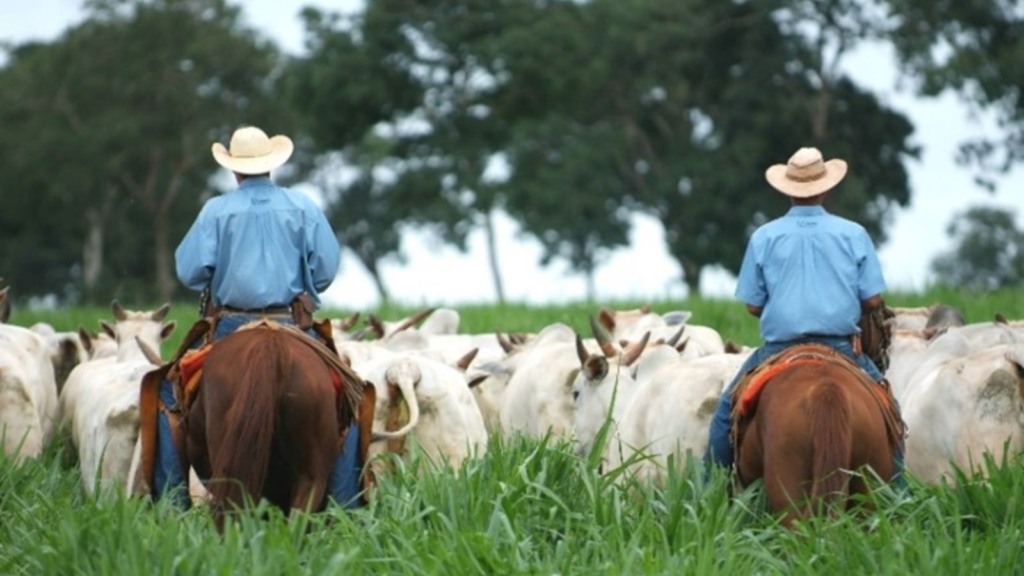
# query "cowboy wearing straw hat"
(807, 276)
(256, 251)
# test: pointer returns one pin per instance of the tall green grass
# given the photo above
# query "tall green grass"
(527, 507)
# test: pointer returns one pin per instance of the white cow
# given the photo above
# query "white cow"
(918, 351)
(434, 321)
(604, 387)
(67, 350)
(631, 325)
(100, 402)
(960, 406)
(442, 420)
(662, 409)
(489, 378)
(538, 398)
(99, 345)
(670, 417)
(28, 392)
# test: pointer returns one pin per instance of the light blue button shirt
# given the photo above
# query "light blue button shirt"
(809, 271)
(259, 246)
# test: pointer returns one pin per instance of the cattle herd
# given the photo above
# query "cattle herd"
(653, 379)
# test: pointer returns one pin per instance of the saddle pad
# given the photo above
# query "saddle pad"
(192, 363)
(751, 394)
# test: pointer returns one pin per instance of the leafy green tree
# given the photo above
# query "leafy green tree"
(602, 109)
(784, 90)
(987, 253)
(425, 70)
(128, 102)
(973, 48)
(681, 121)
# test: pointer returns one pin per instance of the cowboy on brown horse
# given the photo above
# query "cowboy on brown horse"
(261, 251)
(810, 277)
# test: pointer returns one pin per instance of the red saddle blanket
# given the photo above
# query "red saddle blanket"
(752, 392)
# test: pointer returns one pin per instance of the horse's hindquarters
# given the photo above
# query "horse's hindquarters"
(264, 423)
(813, 424)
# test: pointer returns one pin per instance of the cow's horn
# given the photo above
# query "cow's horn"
(118, 311)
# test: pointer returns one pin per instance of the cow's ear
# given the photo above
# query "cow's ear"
(168, 329)
(109, 329)
(86, 339)
(476, 378)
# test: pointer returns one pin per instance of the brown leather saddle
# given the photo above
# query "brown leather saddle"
(747, 392)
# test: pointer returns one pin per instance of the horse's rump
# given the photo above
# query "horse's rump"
(265, 419)
(805, 420)
(747, 393)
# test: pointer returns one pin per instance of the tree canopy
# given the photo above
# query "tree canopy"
(108, 134)
(596, 111)
(987, 253)
(974, 49)
(604, 109)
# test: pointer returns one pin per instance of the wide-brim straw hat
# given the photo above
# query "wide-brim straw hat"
(252, 152)
(806, 174)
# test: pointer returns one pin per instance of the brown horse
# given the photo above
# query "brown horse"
(264, 422)
(819, 421)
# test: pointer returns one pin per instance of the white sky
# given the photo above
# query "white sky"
(435, 274)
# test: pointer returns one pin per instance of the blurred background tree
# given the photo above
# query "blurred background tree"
(988, 251)
(107, 139)
(571, 117)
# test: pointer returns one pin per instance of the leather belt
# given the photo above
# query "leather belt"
(268, 311)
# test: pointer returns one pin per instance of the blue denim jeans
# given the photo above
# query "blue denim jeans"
(169, 479)
(719, 451)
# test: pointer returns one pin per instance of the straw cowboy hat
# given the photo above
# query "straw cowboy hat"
(252, 152)
(806, 174)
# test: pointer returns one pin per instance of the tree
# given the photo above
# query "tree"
(129, 102)
(426, 70)
(681, 121)
(988, 251)
(603, 109)
(972, 48)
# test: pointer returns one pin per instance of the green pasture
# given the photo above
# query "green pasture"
(728, 316)
(527, 507)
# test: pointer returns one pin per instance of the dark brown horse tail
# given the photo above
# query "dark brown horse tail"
(832, 441)
(245, 453)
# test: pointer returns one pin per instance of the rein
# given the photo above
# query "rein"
(876, 335)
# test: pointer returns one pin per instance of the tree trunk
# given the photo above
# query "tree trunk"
(492, 256)
(691, 276)
(92, 254)
(378, 280)
(588, 273)
(164, 281)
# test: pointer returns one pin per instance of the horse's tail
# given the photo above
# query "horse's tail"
(832, 443)
(241, 464)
